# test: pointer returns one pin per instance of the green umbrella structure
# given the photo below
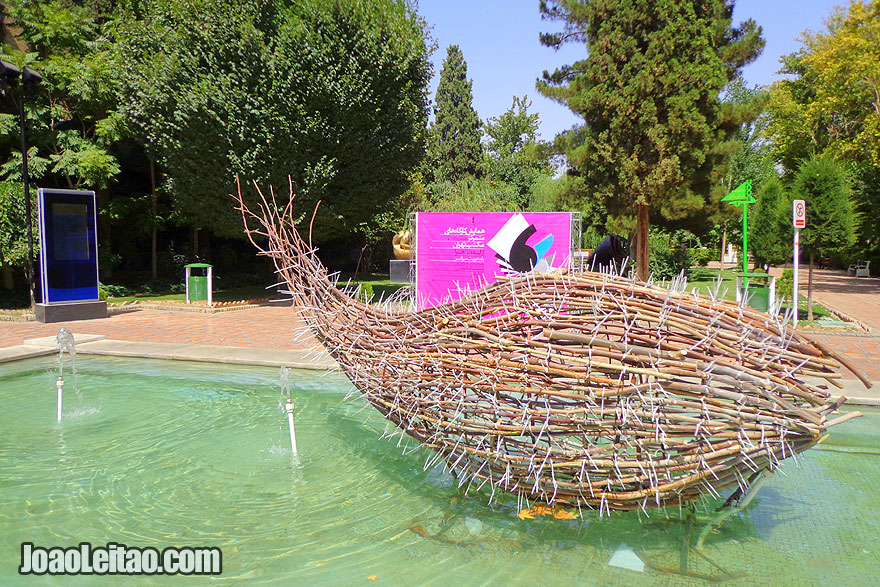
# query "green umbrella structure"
(742, 196)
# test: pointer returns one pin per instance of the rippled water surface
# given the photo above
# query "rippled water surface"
(170, 454)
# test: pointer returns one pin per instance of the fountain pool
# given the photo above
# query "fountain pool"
(161, 454)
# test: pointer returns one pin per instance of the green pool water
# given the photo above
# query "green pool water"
(162, 454)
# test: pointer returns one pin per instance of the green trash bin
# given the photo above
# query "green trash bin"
(198, 287)
(760, 289)
(759, 298)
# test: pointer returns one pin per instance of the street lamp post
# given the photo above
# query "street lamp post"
(10, 74)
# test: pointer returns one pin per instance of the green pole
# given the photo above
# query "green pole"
(745, 246)
(742, 196)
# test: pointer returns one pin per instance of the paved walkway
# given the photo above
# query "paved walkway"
(265, 327)
(856, 297)
(274, 327)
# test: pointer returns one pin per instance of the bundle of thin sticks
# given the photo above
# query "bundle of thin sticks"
(579, 389)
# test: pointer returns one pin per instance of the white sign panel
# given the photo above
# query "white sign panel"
(799, 213)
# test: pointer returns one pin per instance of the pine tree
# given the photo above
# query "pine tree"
(770, 229)
(648, 92)
(831, 221)
(455, 145)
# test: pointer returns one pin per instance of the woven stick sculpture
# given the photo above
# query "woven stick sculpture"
(571, 389)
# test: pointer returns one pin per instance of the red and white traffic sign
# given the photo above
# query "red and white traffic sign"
(799, 213)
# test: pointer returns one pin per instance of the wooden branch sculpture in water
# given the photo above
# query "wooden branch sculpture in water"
(572, 389)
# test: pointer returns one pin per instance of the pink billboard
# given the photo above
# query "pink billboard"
(458, 252)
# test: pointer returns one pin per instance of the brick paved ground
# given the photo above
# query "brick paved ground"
(857, 297)
(864, 351)
(264, 327)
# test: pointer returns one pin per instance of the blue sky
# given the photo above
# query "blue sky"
(499, 39)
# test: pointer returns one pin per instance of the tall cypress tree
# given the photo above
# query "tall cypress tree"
(770, 229)
(648, 93)
(455, 146)
(831, 226)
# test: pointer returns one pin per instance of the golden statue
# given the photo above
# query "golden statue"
(401, 244)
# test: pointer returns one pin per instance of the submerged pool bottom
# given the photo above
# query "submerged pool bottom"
(160, 454)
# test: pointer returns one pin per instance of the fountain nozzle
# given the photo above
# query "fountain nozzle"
(60, 386)
(289, 408)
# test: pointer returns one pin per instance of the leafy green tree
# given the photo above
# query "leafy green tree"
(866, 193)
(648, 93)
(69, 147)
(770, 229)
(670, 253)
(67, 110)
(794, 137)
(745, 154)
(513, 130)
(831, 102)
(455, 148)
(825, 186)
(13, 235)
(332, 94)
(515, 155)
(748, 153)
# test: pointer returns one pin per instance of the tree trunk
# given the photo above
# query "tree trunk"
(357, 268)
(642, 242)
(205, 245)
(154, 263)
(810, 290)
(723, 246)
(194, 243)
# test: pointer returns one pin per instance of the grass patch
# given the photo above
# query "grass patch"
(250, 292)
(382, 287)
(703, 281)
(819, 311)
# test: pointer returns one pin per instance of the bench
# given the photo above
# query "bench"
(860, 269)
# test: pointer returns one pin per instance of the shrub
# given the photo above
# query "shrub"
(109, 261)
(785, 284)
(113, 291)
(842, 260)
(668, 255)
(702, 256)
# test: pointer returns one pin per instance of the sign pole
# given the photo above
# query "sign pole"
(799, 220)
(794, 289)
